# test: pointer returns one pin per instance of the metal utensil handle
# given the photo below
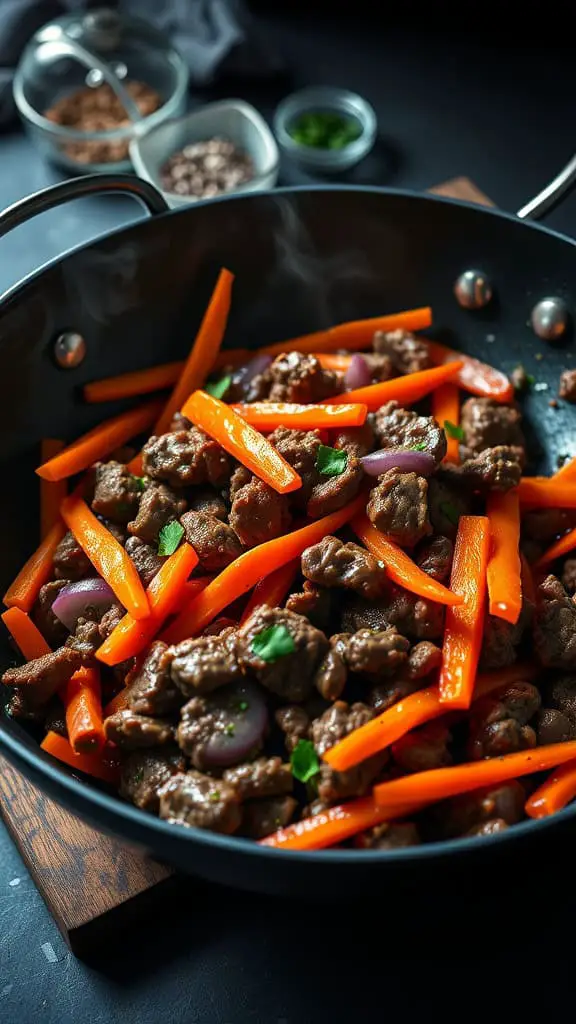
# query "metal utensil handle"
(76, 188)
(552, 194)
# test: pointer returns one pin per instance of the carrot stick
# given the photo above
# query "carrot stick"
(335, 824)
(107, 555)
(474, 376)
(83, 703)
(244, 573)
(504, 568)
(137, 382)
(408, 714)
(566, 472)
(132, 635)
(354, 335)
(204, 351)
(405, 390)
(242, 441)
(269, 415)
(103, 765)
(558, 549)
(446, 409)
(547, 492)
(399, 566)
(98, 443)
(118, 703)
(337, 361)
(23, 591)
(25, 634)
(557, 791)
(271, 590)
(441, 783)
(51, 494)
(465, 624)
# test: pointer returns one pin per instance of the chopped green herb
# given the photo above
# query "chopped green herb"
(138, 776)
(140, 482)
(324, 129)
(273, 642)
(218, 388)
(170, 537)
(453, 431)
(531, 379)
(420, 447)
(304, 761)
(230, 729)
(331, 461)
(243, 705)
(214, 796)
(450, 511)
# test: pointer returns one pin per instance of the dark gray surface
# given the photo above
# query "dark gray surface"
(445, 108)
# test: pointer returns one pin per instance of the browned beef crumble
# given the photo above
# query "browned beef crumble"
(186, 457)
(407, 352)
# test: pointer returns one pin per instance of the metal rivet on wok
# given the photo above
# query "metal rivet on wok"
(69, 349)
(549, 319)
(473, 289)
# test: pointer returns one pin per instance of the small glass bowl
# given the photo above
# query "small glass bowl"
(332, 100)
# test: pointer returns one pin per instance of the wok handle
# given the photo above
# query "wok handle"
(77, 188)
(552, 194)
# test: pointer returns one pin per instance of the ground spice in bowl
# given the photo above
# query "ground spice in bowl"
(206, 168)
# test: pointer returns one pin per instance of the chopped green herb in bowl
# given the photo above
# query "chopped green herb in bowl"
(324, 129)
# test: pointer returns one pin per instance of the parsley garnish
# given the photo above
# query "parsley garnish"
(214, 796)
(230, 729)
(243, 705)
(170, 537)
(139, 481)
(420, 447)
(218, 388)
(273, 643)
(530, 379)
(450, 511)
(304, 761)
(453, 431)
(331, 461)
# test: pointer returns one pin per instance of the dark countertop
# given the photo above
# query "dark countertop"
(446, 107)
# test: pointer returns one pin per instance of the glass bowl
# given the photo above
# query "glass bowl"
(326, 99)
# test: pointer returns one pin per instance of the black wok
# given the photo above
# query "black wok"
(304, 258)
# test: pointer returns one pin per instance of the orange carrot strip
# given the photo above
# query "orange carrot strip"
(474, 376)
(337, 361)
(354, 335)
(408, 714)
(51, 494)
(25, 634)
(242, 441)
(557, 791)
(204, 351)
(83, 703)
(504, 575)
(98, 443)
(446, 409)
(269, 415)
(547, 492)
(399, 566)
(558, 549)
(24, 590)
(566, 472)
(335, 824)
(441, 783)
(132, 635)
(134, 383)
(465, 624)
(104, 765)
(244, 573)
(271, 590)
(108, 557)
(118, 703)
(405, 390)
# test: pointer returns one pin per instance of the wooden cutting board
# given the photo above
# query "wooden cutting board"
(93, 884)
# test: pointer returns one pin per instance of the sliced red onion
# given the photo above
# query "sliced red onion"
(245, 374)
(75, 598)
(405, 459)
(242, 718)
(358, 373)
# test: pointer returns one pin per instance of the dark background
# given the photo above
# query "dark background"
(489, 92)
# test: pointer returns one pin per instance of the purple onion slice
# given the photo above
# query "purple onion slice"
(75, 598)
(358, 374)
(241, 722)
(405, 459)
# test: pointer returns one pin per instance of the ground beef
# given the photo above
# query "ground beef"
(555, 626)
(53, 631)
(333, 492)
(294, 722)
(423, 749)
(70, 562)
(544, 525)
(55, 720)
(459, 815)
(499, 722)
(488, 828)
(300, 449)
(400, 428)
(130, 731)
(569, 576)
(407, 352)
(144, 772)
(385, 695)
(380, 366)
(214, 542)
(151, 690)
(553, 727)
(260, 818)
(331, 677)
(213, 724)
(110, 620)
(316, 603)
(206, 499)
(85, 640)
(331, 563)
(258, 512)
(487, 424)
(501, 640)
(398, 507)
(116, 492)
(267, 776)
(218, 626)
(186, 457)
(423, 659)
(179, 422)
(494, 469)
(446, 503)
(434, 557)
(332, 726)
(292, 675)
(414, 617)
(567, 389)
(358, 441)
(560, 694)
(295, 377)
(146, 559)
(198, 801)
(21, 705)
(40, 679)
(373, 654)
(203, 664)
(159, 505)
(391, 835)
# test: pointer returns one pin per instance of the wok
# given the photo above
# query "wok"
(303, 259)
